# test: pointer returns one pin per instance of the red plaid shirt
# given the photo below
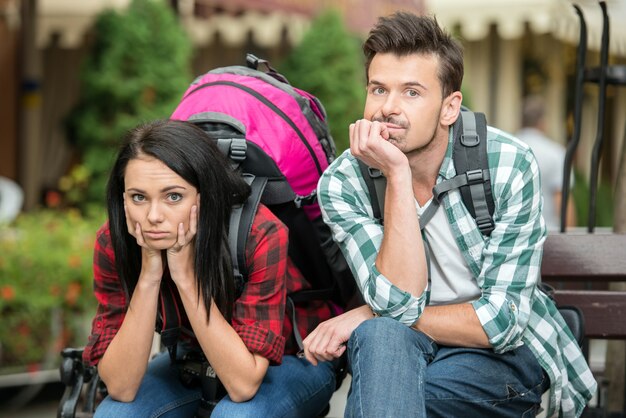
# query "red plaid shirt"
(259, 313)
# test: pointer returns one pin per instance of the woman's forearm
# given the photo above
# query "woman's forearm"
(124, 363)
(240, 371)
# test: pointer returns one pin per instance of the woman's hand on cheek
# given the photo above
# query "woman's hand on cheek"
(151, 259)
(181, 256)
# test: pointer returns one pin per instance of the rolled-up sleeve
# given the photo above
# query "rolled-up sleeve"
(111, 297)
(346, 208)
(259, 311)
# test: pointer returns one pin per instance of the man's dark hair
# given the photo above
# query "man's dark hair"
(405, 33)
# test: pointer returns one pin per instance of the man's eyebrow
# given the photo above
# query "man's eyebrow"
(405, 84)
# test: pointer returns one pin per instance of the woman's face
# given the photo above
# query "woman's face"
(158, 200)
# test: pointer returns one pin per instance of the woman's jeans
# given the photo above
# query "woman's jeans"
(399, 372)
(295, 389)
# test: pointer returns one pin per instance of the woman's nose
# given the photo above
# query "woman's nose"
(155, 214)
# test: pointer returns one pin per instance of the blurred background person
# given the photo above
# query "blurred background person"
(550, 156)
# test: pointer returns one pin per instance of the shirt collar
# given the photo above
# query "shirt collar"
(447, 171)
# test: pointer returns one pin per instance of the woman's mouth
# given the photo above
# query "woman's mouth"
(156, 234)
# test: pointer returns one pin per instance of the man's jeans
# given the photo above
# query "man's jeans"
(295, 389)
(399, 372)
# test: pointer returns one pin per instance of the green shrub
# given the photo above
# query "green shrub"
(604, 201)
(46, 284)
(136, 71)
(329, 64)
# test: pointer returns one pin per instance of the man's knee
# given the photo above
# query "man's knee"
(379, 329)
(389, 337)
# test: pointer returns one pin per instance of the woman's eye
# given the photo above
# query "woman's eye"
(175, 197)
(138, 198)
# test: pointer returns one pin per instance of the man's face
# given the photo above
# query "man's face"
(404, 93)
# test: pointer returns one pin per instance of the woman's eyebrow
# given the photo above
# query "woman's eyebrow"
(169, 188)
(163, 190)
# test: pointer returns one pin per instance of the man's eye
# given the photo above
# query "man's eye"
(378, 90)
(412, 93)
(175, 197)
(138, 198)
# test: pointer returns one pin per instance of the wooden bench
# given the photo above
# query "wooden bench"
(580, 266)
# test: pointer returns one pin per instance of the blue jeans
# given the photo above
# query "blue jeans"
(296, 388)
(399, 372)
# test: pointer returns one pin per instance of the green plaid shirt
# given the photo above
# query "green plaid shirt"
(506, 265)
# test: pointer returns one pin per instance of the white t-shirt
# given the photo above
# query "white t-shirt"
(451, 279)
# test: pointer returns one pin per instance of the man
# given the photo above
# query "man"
(550, 156)
(467, 334)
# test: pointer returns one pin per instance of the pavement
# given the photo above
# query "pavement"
(40, 401)
(45, 402)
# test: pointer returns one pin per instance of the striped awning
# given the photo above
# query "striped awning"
(267, 21)
(511, 17)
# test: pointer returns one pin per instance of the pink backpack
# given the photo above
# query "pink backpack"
(277, 136)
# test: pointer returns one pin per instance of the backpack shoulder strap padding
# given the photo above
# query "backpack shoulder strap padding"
(240, 225)
(376, 184)
(472, 165)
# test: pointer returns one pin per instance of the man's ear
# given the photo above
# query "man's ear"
(451, 108)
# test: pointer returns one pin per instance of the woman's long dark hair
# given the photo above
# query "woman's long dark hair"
(189, 152)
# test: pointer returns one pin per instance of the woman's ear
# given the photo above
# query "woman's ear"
(451, 108)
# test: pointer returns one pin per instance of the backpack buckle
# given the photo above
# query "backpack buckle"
(374, 172)
(470, 139)
(300, 201)
(485, 224)
(475, 176)
(238, 148)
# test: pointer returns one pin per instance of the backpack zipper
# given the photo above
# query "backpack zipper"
(270, 105)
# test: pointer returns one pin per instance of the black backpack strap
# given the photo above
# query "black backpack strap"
(376, 185)
(239, 228)
(472, 165)
(168, 320)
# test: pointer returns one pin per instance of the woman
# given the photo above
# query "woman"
(169, 198)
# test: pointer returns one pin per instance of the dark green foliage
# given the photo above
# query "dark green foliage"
(137, 71)
(604, 201)
(329, 64)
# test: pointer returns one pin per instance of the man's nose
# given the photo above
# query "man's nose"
(391, 105)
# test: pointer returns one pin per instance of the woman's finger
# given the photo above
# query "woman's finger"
(129, 224)
(193, 223)
(139, 235)
(181, 239)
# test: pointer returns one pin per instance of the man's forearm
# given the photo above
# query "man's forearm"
(401, 258)
(453, 325)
